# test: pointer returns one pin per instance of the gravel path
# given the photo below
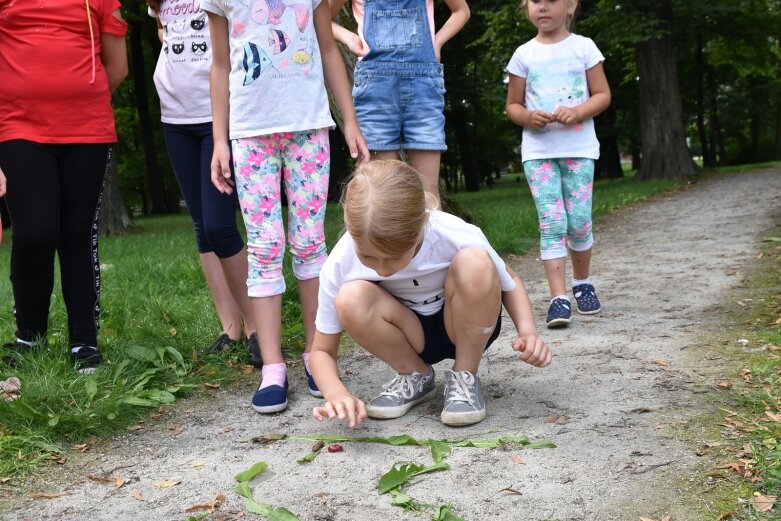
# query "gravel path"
(625, 385)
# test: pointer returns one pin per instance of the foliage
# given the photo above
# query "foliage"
(242, 489)
(754, 432)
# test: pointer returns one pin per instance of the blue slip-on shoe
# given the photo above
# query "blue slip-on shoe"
(586, 301)
(312, 386)
(559, 313)
(270, 399)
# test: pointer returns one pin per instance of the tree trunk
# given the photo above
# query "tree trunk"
(113, 215)
(153, 179)
(662, 137)
(609, 164)
(777, 139)
(707, 156)
(460, 127)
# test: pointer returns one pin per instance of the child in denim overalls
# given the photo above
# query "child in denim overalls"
(398, 72)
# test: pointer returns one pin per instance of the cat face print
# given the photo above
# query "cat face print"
(198, 24)
(178, 26)
(177, 48)
(199, 48)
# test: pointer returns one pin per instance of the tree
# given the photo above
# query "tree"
(662, 137)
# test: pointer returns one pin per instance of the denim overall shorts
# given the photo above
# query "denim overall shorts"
(399, 89)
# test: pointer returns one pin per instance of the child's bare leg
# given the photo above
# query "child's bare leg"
(227, 309)
(427, 163)
(382, 325)
(268, 319)
(307, 292)
(554, 271)
(472, 304)
(235, 273)
(581, 263)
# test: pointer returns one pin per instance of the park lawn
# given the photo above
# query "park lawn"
(157, 315)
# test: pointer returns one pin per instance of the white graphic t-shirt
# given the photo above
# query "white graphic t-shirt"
(556, 76)
(276, 78)
(182, 72)
(421, 284)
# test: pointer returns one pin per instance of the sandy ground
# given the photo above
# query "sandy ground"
(627, 385)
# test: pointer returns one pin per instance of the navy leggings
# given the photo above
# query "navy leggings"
(53, 199)
(213, 214)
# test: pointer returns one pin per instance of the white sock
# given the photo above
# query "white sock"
(578, 282)
(565, 297)
(31, 343)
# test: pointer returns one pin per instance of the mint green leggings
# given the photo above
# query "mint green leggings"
(562, 189)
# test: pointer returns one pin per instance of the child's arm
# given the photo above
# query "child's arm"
(516, 106)
(113, 56)
(2, 183)
(459, 14)
(218, 81)
(345, 36)
(160, 30)
(531, 347)
(599, 100)
(339, 403)
(336, 78)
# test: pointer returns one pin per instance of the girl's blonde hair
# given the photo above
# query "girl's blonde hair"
(525, 3)
(385, 203)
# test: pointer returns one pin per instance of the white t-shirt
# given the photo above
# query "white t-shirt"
(555, 75)
(276, 77)
(420, 285)
(182, 72)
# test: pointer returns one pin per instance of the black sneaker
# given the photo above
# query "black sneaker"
(253, 348)
(223, 343)
(86, 358)
(11, 350)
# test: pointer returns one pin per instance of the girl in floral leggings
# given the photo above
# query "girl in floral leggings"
(269, 105)
(557, 85)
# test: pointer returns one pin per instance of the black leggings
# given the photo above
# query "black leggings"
(213, 213)
(53, 199)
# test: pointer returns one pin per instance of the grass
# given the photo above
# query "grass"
(157, 314)
(753, 429)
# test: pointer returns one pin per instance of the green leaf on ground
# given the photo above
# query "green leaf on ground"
(400, 499)
(443, 513)
(398, 476)
(254, 470)
(263, 509)
(308, 458)
(281, 514)
(439, 450)
(542, 444)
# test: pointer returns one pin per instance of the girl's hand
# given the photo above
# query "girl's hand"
(355, 142)
(221, 168)
(357, 47)
(539, 118)
(2, 183)
(532, 350)
(566, 115)
(344, 407)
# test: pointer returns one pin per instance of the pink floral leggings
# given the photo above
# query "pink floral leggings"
(260, 163)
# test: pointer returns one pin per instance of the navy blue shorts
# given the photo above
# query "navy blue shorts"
(438, 346)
